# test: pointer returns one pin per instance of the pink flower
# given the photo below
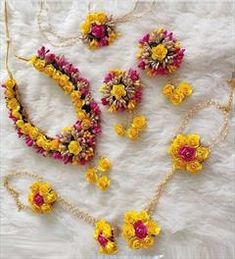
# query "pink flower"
(98, 31)
(67, 159)
(108, 77)
(141, 64)
(70, 69)
(29, 142)
(42, 52)
(38, 199)
(141, 230)
(144, 39)
(57, 155)
(95, 108)
(103, 42)
(133, 74)
(102, 240)
(78, 126)
(104, 101)
(61, 61)
(187, 153)
(50, 57)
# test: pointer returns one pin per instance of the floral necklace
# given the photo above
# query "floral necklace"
(76, 144)
(139, 228)
(97, 30)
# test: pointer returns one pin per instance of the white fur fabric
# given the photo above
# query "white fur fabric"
(196, 212)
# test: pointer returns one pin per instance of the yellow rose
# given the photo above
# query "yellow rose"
(46, 208)
(119, 129)
(117, 72)
(34, 133)
(193, 140)
(135, 244)
(148, 242)
(54, 144)
(40, 64)
(168, 89)
(139, 122)
(130, 217)
(49, 70)
(118, 91)
(91, 175)
(68, 88)
(41, 141)
(153, 228)
(63, 80)
(15, 113)
(50, 197)
(131, 105)
(57, 75)
(179, 164)
(101, 17)
(133, 133)
(75, 96)
(81, 115)
(10, 83)
(85, 27)
(185, 88)
(74, 147)
(128, 231)
(104, 164)
(13, 104)
(159, 52)
(9, 93)
(20, 123)
(86, 123)
(103, 183)
(26, 128)
(202, 153)
(176, 98)
(194, 167)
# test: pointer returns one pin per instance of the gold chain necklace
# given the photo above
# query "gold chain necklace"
(139, 229)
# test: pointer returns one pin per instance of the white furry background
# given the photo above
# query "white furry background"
(196, 212)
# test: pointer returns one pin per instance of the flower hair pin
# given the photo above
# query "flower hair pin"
(97, 30)
(122, 91)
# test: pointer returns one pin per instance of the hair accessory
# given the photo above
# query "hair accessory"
(122, 91)
(177, 94)
(159, 53)
(139, 229)
(97, 30)
(76, 144)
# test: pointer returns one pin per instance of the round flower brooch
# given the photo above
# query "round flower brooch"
(42, 197)
(139, 230)
(122, 90)
(98, 30)
(159, 53)
(188, 153)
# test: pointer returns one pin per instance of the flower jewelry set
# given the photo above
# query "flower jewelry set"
(159, 54)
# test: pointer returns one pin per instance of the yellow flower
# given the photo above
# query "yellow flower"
(185, 88)
(104, 164)
(148, 242)
(103, 183)
(168, 89)
(26, 128)
(91, 175)
(41, 197)
(112, 37)
(159, 52)
(68, 88)
(194, 167)
(128, 230)
(13, 104)
(93, 44)
(63, 80)
(118, 91)
(176, 97)
(100, 17)
(85, 27)
(39, 64)
(57, 75)
(131, 105)
(75, 96)
(112, 108)
(153, 227)
(202, 153)
(139, 122)
(9, 93)
(34, 133)
(49, 70)
(15, 113)
(86, 123)
(117, 72)
(81, 115)
(120, 130)
(10, 83)
(20, 123)
(133, 133)
(135, 244)
(193, 140)
(54, 144)
(74, 147)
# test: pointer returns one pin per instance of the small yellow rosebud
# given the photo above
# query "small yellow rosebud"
(91, 175)
(185, 88)
(176, 98)
(49, 70)
(74, 147)
(9, 93)
(39, 64)
(120, 130)
(159, 52)
(168, 89)
(15, 113)
(139, 122)
(118, 91)
(20, 123)
(86, 123)
(104, 164)
(103, 183)
(133, 133)
(10, 83)
(85, 27)
(13, 104)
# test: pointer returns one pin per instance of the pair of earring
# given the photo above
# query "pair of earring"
(99, 175)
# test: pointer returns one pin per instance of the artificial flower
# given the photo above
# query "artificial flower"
(133, 133)
(139, 230)
(42, 197)
(104, 235)
(104, 164)
(103, 183)
(188, 153)
(91, 175)
(159, 52)
(118, 91)
(185, 88)
(139, 122)
(74, 147)
(119, 129)
(10, 83)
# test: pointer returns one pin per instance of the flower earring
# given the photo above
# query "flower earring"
(122, 91)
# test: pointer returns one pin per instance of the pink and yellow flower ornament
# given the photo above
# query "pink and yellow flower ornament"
(122, 91)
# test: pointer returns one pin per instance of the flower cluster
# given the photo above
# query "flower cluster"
(188, 153)
(122, 90)
(177, 94)
(42, 197)
(138, 124)
(104, 235)
(96, 175)
(159, 53)
(98, 30)
(139, 230)
(75, 144)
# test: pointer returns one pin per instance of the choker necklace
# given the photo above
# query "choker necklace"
(139, 229)
(97, 30)
(76, 144)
